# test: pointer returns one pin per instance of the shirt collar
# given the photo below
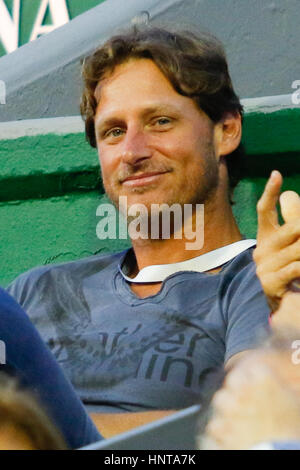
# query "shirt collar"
(206, 262)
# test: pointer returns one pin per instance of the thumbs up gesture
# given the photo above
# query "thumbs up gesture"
(277, 255)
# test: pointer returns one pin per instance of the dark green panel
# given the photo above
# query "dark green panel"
(47, 165)
(269, 133)
(54, 230)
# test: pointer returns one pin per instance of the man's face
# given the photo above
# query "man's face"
(154, 145)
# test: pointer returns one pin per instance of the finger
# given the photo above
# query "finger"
(266, 206)
(286, 275)
(274, 285)
(290, 206)
(284, 256)
(268, 249)
(284, 236)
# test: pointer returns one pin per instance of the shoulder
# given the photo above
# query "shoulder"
(240, 262)
(240, 284)
(244, 306)
(240, 271)
(54, 276)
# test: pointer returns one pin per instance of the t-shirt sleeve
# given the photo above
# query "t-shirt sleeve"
(246, 312)
(26, 290)
(22, 287)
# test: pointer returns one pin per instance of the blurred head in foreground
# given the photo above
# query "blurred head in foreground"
(23, 423)
(260, 398)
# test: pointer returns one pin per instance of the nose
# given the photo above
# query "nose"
(135, 147)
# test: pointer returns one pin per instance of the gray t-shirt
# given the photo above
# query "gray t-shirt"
(161, 352)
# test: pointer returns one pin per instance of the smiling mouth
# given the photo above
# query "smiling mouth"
(143, 179)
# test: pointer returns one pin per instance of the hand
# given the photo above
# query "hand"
(277, 254)
(256, 404)
(287, 314)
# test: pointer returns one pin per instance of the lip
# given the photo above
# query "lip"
(143, 179)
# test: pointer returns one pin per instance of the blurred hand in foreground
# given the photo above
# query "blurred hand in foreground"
(259, 402)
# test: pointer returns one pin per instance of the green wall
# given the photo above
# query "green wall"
(50, 188)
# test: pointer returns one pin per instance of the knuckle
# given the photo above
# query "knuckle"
(260, 206)
(293, 251)
(259, 271)
(270, 283)
(291, 228)
(257, 255)
(295, 269)
(284, 274)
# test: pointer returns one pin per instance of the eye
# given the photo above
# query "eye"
(163, 121)
(111, 135)
(116, 132)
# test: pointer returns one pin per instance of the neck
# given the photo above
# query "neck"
(220, 229)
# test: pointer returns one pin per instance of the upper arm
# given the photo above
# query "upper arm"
(247, 313)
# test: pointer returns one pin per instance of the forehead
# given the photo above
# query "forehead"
(138, 83)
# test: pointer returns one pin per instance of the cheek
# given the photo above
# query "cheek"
(107, 163)
(176, 149)
(191, 149)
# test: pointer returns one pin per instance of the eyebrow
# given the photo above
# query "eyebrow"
(115, 120)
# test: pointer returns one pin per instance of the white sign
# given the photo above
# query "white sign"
(10, 25)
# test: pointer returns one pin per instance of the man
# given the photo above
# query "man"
(148, 329)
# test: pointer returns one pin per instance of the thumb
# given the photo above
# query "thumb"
(290, 206)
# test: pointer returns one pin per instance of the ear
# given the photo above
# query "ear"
(228, 134)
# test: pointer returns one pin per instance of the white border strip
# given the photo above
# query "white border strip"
(75, 125)
(32, 127)
(268, 103)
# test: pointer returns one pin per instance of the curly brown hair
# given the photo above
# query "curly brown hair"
(195, 64)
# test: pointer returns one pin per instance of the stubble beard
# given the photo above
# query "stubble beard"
(202, 190)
